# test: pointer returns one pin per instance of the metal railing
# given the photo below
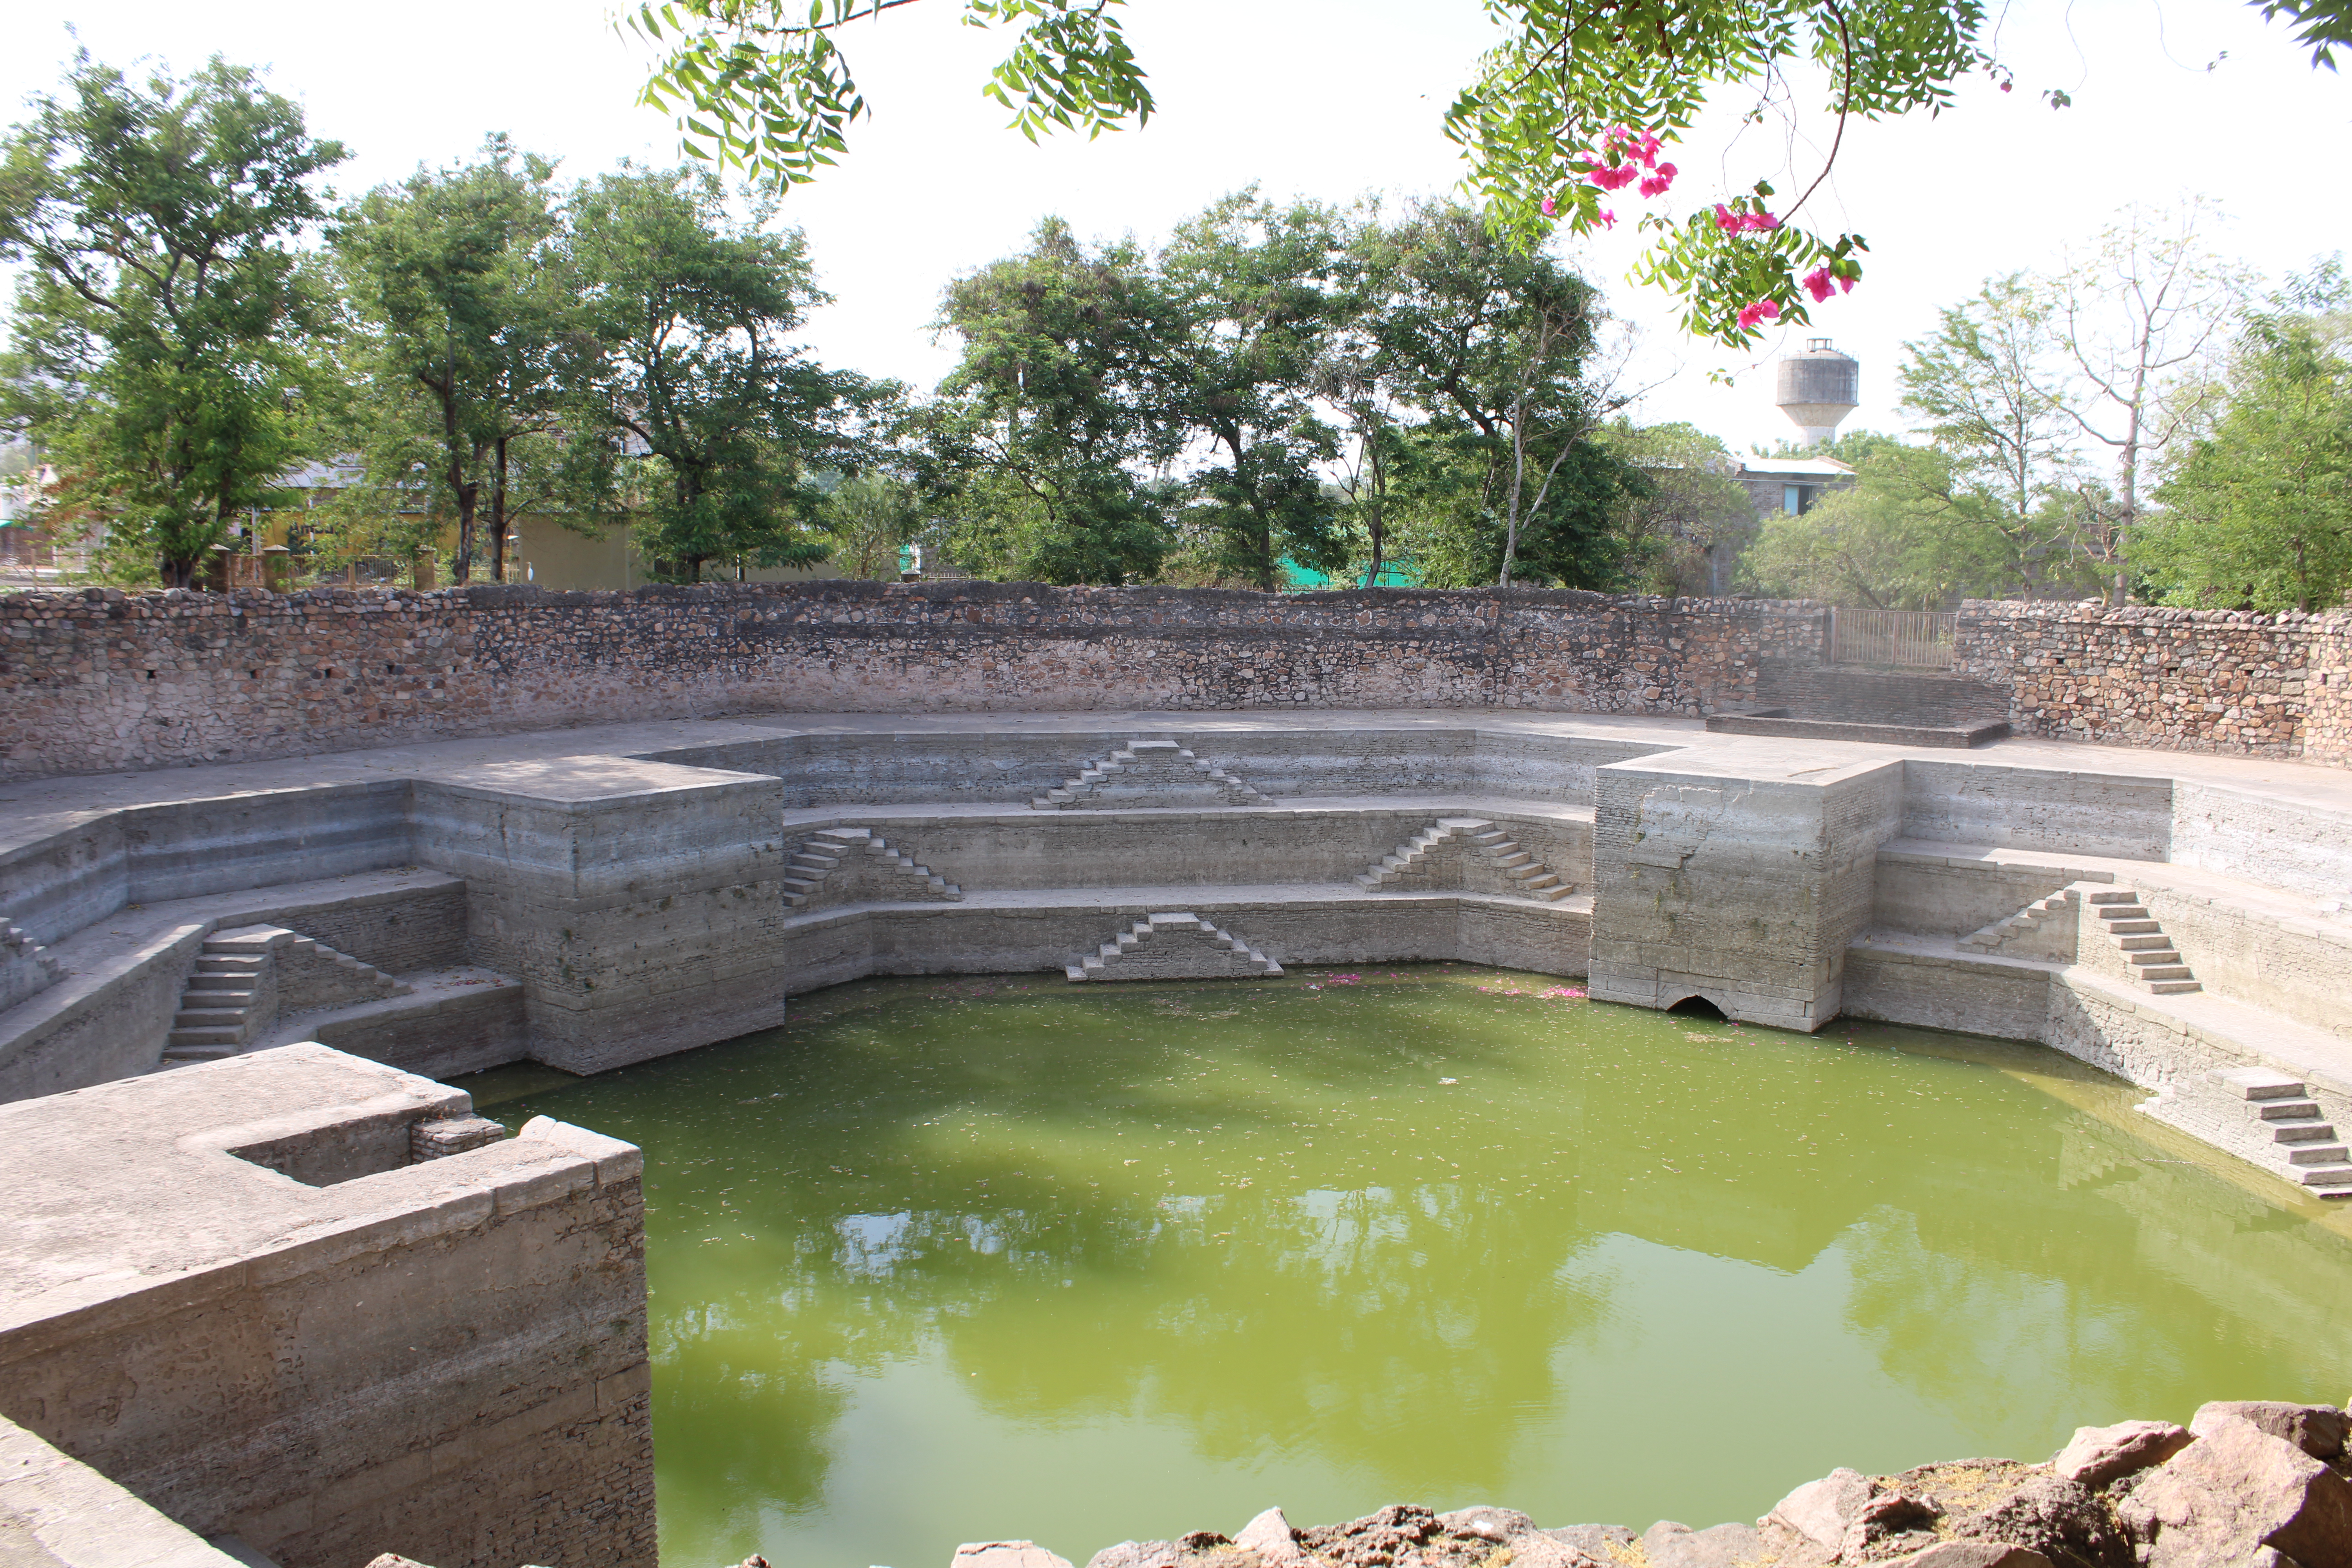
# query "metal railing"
(1893, 639)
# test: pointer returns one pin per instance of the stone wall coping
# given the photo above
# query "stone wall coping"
(591, 783)
(2103, 613)
(153, 1211)
(958, 591)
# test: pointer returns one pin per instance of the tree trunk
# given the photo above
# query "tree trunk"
(499, 513)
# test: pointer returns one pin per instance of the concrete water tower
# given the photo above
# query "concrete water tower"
(1817, 388)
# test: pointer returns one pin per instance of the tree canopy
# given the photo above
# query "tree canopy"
(159, 333)
(1577, 104)
(2258, 508)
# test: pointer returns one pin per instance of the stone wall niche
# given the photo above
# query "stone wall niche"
(638, 902)
(1742, 890)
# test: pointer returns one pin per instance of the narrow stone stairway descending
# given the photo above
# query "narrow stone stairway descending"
(219, 1010)
(2022, 926)
(1142, 764)
(2107, 914)
(1407, 868)
(2150, 957)
(2304, 1146)
(245, 978)
(1173, 946)
(854, 862)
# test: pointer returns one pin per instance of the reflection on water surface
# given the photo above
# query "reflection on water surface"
(950, 1261)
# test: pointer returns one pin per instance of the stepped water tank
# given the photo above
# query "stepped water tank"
(1817, 388)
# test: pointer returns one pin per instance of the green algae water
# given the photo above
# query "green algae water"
(948, 1261)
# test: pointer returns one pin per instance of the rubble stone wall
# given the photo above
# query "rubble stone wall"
(2182, 680)
(99, 681)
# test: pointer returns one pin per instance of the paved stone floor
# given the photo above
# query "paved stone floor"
(36, 806)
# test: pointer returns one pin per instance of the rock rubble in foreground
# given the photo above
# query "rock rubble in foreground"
(2246, 1484)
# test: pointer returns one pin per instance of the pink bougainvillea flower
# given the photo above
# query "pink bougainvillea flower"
(1762, 309)
(1667, 171)
(1655, 185)
(2006, 86)
(1725, 219)
(1548, 207)
(1817, 284)
(1846, 284)
(1615, 177)
(1608, 218)
(1758, 221)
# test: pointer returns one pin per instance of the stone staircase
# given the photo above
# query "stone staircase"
(2020, 930)
(2150, 960)
(2301, 1145)
(245, 978)
(1174, 946)
(1147, 769)
(874, 871)
(2102, 914)
(1408, 869)
(27, 968)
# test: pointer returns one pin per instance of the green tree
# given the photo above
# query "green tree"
(716, 420)
(2137, 317)
(871, 518)
(1686, 530)
(1034, 444)
(463, 326)
(1490, 473)
(2258, 510)
(1985, 383)
(763, 84)
(1913, 533)
(159, 328)
(1254, 289)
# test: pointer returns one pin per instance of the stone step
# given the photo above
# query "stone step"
(2326, 1176)
(2131, 912)
(2288, 1109)
(2170, 972)
(2318, 1154)
(255, 946)
(206, 1037)
(2114, 895)
(237, 984)
(2174, 987)
(2134, 928)
(1537, 882)
(2312, 1132)
(2143, 944)
(181, 1054)
(2145, 957)
(209, 1018)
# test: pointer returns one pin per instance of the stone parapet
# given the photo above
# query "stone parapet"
(2229, 682)
(234, 1290)
(103, 680)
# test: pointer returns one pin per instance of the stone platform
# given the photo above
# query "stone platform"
(592, 896)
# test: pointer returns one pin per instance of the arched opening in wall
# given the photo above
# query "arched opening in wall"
(1697, 1007)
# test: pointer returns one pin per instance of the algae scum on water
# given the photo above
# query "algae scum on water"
(950, 1261)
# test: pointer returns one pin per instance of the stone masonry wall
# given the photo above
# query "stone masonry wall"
(2185, 680)
(100, 681)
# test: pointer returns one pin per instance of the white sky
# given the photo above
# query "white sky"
(1330, 98)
